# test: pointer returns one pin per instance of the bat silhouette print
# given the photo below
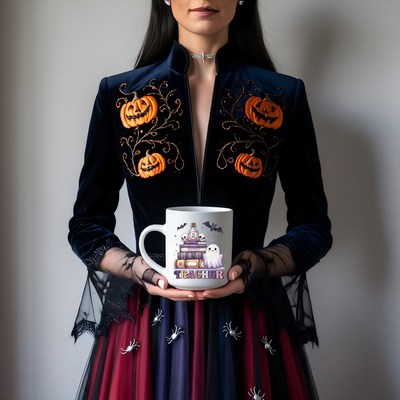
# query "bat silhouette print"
(213, 227)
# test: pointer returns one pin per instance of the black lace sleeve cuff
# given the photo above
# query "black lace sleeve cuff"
(288, 296)
(297, 255)
(94, 260)
(105, 296)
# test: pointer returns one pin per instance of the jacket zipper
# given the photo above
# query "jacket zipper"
(216, 81)
(186, 79)
(199, 186)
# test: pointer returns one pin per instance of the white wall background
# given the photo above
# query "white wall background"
(53, 55)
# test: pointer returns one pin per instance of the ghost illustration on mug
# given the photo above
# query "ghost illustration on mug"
(212, 257)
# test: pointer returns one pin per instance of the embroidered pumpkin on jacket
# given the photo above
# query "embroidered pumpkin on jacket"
(151, 165)
(264, 112)
(138, 111)
(248, 165)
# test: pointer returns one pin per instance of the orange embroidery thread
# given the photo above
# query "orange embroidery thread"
(256, 129)
(151, 165)
(149, 116)
(249, 165)
(138, 111)
(264, 112)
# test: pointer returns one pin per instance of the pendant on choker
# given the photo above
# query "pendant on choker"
(203, 56)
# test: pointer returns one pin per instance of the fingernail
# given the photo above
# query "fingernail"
(234, 275)
(161, 283)
(190, 296)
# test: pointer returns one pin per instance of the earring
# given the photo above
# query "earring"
(167, 2)
(241, 2)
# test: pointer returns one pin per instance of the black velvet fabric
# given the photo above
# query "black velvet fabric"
(115, 153)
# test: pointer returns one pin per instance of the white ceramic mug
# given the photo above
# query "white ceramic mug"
(198, 249)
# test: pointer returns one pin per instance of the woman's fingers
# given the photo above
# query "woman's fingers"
(162, 289)
(162, 282)
(235, 272)
(171, 293)
(236, 286)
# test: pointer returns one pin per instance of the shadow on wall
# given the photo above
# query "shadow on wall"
(351, 176)
(8, 217)
(350, 173)
(347, 152)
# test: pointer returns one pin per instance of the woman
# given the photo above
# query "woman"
(203, 119)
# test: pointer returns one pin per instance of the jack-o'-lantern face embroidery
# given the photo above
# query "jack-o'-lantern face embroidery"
(249, 165)
(138, 111)
(253, 119)
(264, 112)
(150, 115)
(151, 165)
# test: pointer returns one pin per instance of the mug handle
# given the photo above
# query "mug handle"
(151, 228)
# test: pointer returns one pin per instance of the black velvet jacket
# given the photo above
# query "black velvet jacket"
(141, 131)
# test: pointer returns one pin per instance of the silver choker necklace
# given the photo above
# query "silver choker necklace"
(203, 56)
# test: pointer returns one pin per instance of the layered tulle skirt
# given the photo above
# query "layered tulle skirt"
(204, 350)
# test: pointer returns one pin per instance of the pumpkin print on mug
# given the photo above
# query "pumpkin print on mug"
(138, 111)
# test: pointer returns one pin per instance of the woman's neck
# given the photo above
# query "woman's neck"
(198, 44)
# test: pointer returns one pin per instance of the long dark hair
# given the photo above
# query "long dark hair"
(245, 35)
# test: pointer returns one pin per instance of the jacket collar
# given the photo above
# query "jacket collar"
(178, 59)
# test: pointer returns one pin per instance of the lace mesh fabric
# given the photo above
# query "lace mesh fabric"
(265, 288)
(105, 296)
(133, 267)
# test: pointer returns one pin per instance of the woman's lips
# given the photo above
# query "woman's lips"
(203, 11)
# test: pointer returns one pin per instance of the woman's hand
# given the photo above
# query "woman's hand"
(170, 292)
(249, 266)
(235, 285)
(125, 264)
(157, 284)
(272, 261)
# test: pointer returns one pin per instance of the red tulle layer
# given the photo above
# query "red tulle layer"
(117, 376)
